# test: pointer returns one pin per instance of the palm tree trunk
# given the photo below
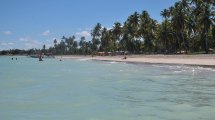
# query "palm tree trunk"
(185, 43)
(206, 42)
(178, 44)
(193, 46)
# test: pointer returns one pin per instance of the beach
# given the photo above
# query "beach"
(207, 60)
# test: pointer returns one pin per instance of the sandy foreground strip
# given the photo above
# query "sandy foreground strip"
(201, 60)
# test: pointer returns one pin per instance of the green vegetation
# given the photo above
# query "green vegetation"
(187, 27)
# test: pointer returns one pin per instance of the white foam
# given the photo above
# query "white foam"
(113, 62)
(159, 66)
(83, 59)
(178, 71)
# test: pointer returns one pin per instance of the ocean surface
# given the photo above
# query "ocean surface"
(82, 89)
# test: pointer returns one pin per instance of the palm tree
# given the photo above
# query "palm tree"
(105, 40)
(165, 14)
(132, 27)
(82, 41)
(126, 42)
(44, 48)
(206, 21)
(55, 42)
(74, 47)
(55, 46)
(67, 43)
(117, 31)
(62, 47)
(179, 20)
(70, 43)
(133, 23)
(96, 36)
(82, 45)
(191, 28)
(146, 30)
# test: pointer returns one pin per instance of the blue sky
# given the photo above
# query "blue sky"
(28, 24)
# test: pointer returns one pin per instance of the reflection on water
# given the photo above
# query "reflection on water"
(93, 90)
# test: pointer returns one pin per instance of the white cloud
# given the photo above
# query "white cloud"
(46, 33)
(109, 28)
(24, 43)
(3, 43)
(26, 39)
(30, 43)
(6, 43)
(83, 33)
(7, 32)
(49, 45)
(10, 43)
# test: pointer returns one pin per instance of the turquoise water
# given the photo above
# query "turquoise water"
(95, 90)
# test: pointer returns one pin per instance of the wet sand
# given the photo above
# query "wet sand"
(207, 60)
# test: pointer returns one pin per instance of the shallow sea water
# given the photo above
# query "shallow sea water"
(96, 90)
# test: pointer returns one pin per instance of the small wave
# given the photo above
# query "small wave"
(193, 68)
(113, 62)
(161, 66)
(185, 68)
(172, 67)
(83, 59)
(178, 71)
(205, 69)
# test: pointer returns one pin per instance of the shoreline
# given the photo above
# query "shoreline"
(202, 60)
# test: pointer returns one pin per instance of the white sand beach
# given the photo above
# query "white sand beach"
(200, 60)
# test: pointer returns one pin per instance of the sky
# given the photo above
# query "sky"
(26, 24)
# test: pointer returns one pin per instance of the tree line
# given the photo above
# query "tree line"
(187, 27)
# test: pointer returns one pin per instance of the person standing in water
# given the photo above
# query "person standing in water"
(40, 57)
(61, 58)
